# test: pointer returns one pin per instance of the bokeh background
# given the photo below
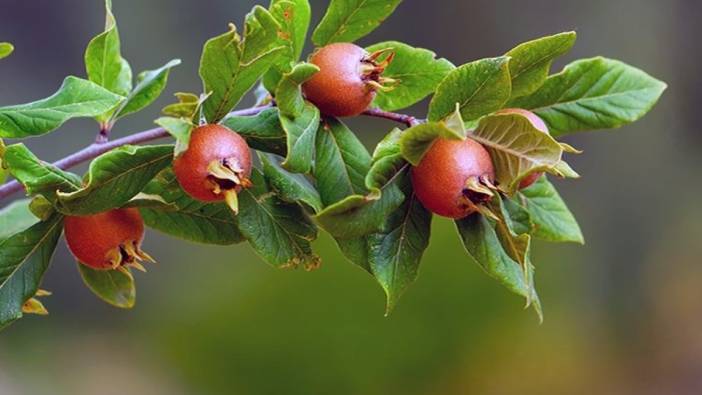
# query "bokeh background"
(623, 313)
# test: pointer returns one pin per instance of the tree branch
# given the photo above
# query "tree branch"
(101, 146)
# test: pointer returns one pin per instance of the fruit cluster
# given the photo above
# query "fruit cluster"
(274, 174)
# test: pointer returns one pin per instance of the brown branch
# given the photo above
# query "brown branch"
(101, 146)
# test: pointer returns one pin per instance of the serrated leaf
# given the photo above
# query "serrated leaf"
(531, 61)
(291, 187)
(149, 86)
(15, 218)
(552, 219)
(417, 71)
(596, 93)
(349, 20)
(479, 88)
(294, 17)
(103, 60)
(517, 148)
(416, 141)
(483, 245)
(231, 65)
(6, 49)
(112, 286)
(279, 232)
(190, 219)
(36, 176)
(24, 258)
(395, 253)
(75, 98)
(114, 178)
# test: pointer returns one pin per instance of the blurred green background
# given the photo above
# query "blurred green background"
(623, 313)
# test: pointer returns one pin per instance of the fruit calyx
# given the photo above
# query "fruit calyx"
(372, 68)
(226, 177)
(127, 255)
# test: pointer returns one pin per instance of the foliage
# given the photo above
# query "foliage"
(313, 172)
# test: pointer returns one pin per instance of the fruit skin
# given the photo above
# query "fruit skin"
(340, 88)
(212, 144)
(539, 124)
(440, 179)
(91, 238)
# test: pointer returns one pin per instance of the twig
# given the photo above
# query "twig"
(101, 146)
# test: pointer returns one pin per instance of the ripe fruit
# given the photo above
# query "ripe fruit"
(347, 80)
(108, 240)
(539, 124)
(216, 165)
(453, 176)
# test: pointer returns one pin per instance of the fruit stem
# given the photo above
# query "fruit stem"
(98, 148)
(393, 116)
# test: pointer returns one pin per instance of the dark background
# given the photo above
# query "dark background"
(623, 313)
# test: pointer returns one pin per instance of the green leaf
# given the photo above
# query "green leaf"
(112, 286)
(149, 86)
(596, 93)
(482, 243)
(3, 171)
(517, 148)
(298, 118)
(341, 164)
(387, 161)
(190, 220)
(479, 88)
(15, 218)
(180, 129)
(24, 258)
(103, 60)
(417, 71)
(6, 49)
(352, 209)
(231, 65)
(416, 141)
(114, 178)
(262, 132)
(38, 177)
(188, 106)
(395, 253)
(531, 61)
(75, 98)
(517, 217)
(355, 251)
(301, 131)
(291, 187)
(294, 17)
(552, 219)
(288, 96)
(279, 232)
(349, 20)
(360, 215)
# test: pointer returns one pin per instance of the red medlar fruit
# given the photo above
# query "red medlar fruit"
(451, 175)
(215, 166)
(537, 123)
(347, 80)
(108, 240)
